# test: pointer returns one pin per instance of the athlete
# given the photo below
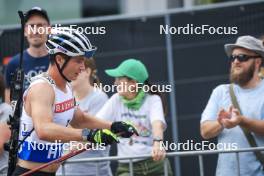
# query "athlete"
(49, 106)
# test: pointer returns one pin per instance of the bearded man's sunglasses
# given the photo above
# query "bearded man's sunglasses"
(242, 57)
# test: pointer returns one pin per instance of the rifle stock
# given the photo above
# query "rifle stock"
(16, 92)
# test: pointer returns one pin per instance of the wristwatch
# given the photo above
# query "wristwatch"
(157, 139)
(85, 133)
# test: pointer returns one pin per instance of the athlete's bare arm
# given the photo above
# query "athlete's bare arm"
(38, 105)
(84, 120)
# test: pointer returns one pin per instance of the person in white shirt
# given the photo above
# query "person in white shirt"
(222, 120)
(90, 100)
(145, 111)
(5, 111)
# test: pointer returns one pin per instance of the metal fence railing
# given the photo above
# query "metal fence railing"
(199, 154)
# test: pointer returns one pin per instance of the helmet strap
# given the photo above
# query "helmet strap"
(67, 59)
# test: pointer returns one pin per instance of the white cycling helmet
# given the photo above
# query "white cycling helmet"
(69, 42)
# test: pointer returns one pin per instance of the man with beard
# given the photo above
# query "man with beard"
(220, 119)
(35, 58)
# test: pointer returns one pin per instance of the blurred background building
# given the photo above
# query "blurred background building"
(67, 9)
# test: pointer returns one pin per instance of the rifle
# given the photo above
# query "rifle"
(16, 93)
(59, 160)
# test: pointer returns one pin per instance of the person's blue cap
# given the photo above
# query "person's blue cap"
(36, 11)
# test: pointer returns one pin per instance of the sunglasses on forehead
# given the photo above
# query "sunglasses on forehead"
(242, 57)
